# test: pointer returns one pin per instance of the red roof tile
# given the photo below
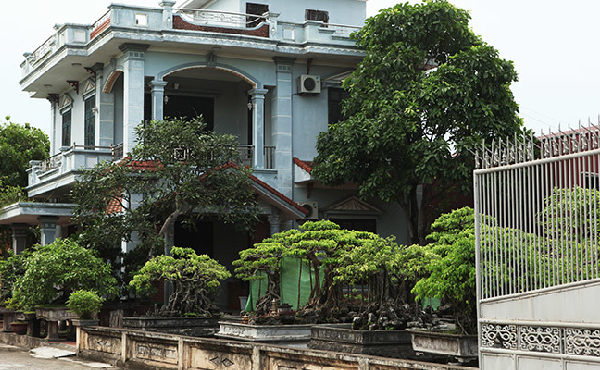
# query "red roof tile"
(150, 165)
(305, 165)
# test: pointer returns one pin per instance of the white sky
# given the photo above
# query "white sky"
(551, 42)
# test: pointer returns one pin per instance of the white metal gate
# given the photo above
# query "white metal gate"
(537, 212)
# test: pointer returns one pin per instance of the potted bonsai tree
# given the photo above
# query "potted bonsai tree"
(195, 279)
(52, 273)
(86, 305)
(326, 264)
(452, 278)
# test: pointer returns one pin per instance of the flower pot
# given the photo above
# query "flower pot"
(19, 327)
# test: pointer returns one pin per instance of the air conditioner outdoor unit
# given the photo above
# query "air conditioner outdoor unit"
(309, 84)
(313, 210)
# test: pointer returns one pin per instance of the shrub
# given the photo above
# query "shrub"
(85, 303)
(55, 270)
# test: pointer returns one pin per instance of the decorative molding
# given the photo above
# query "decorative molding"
(74, 84)
(353, 205)
(499, 336)
(539, 339)
(585, 342)
(180, 24)
(89, 87)
(65, 102)
(544, 339)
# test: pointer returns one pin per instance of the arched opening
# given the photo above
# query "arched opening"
(219, 96)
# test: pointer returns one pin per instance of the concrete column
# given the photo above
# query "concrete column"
(167, 14)
(133, 91)
(258, 126)
(19, 237)
(48, 229)
(158, 96)
(105, 110)
(274, 221)
(281, 122)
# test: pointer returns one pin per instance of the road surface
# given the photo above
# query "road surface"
(46, 358)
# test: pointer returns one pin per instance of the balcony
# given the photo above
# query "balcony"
(77, 43)
(55, 175)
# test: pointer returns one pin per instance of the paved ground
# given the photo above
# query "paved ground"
(46, 358)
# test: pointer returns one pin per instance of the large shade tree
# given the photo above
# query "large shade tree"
(179, 170)
(19, 144)
(427, 91)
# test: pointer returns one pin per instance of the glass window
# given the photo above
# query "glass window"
(335, 97)
(89, 122)
(66, 128)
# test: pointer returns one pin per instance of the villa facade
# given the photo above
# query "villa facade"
(267, 71)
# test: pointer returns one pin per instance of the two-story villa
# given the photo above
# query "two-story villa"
(268, 71)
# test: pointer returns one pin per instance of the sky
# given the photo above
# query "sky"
(551, 42)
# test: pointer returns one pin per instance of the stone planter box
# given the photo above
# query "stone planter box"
(294, 335)
(191, 326)
(463, 347)
(341, 338)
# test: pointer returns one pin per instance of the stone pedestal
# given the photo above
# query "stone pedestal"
(191, 326)
(293, 335)
(52, 316)
(342, 338)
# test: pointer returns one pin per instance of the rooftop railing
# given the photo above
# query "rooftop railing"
(223, 18)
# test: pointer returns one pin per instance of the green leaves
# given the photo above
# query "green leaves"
(20, 144)
(178, 169)
(53, 271)
(196, 279)
(427, 91)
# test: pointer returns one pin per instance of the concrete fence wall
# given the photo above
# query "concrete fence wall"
(168, 351)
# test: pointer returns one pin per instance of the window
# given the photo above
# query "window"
(317, 15)
(66, 128)
(334, 102)
(89, 121)
(257, 9)
(591, 180)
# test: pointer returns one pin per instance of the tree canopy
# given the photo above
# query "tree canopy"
(53, 271)
(178, 169)
(427, 91)
(20, 144)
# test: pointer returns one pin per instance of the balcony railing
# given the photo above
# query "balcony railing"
(247, 155)
(221, 18)
(343, 30)
(51, 162)
(166, 19)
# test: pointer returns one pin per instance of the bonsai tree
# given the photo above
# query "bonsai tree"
(85, 303)
(196, 281)
(390, 271)
(177, 168)
(54, 271)
(335, 258)
(263, 262)
(451, 269)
